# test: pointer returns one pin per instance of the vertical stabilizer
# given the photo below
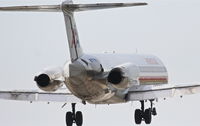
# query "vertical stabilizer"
(72, 33)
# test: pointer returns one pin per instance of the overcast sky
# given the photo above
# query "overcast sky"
(29, 42)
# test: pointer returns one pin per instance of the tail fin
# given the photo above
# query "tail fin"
(68, 8)
(72, 33)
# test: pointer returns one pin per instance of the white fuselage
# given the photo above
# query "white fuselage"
(87, 77)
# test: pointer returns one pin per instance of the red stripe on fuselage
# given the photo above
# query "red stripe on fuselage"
(152, 78)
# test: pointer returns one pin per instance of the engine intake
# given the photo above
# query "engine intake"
(115, 76)
(123, 76)
(42, 80)
(50, 79)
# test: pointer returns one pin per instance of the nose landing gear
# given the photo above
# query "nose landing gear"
(145, 114)
(74, 117)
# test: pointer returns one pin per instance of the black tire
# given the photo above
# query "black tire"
(138, 116)
(69, 119)
(147, 116)
(154, 112)
(79, 118)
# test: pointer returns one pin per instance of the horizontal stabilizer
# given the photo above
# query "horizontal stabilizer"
(85, 7)
(37, 8)
(69, 7)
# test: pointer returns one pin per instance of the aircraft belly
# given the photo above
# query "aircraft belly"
(83, 88)
(92, 91)
(79, 80)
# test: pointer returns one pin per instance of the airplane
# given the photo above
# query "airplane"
(108, 78)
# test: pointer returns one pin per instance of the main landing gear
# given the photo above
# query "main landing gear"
(145, 114)
(74, 117)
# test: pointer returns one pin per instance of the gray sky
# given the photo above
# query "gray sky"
(30, 42)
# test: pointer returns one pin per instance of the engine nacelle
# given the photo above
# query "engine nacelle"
(50, 80)
(123, 76)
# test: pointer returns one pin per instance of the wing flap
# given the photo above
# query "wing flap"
(162, 91)
(39, 96)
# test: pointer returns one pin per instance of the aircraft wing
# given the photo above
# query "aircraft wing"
(34, 96)
(161, 91)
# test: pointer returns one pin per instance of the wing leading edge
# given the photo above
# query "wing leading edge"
(161, 91)
(39, 96)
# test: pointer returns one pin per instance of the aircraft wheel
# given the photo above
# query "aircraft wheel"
(69, 119)
(154, 112)
(147, 116)
(79, 118)
(138, 116)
